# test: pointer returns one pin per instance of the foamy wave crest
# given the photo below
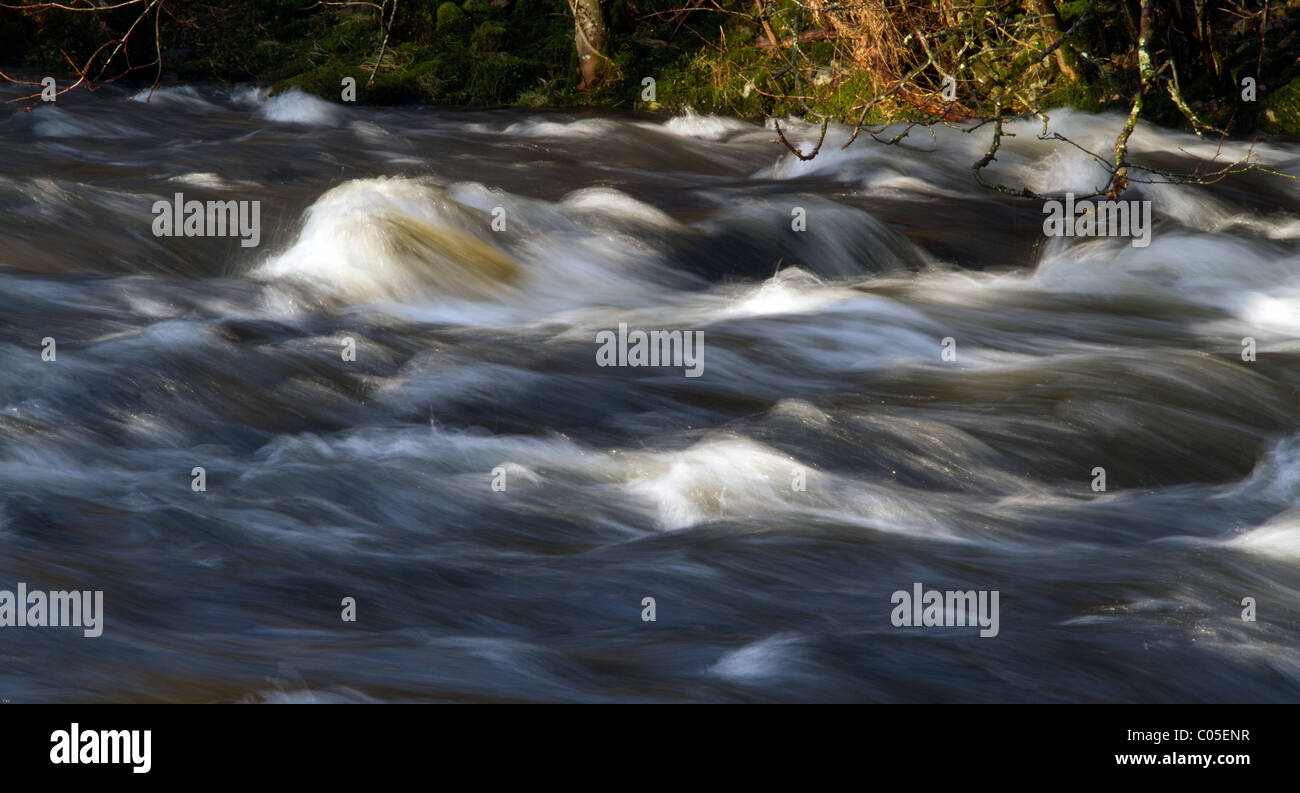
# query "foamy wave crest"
(1178, 265)
(48, 121)
(183, 95)
(693, 125)
(392, 239)
(735, 478)
(433, 253)
(1279, 537)
(775, 656)
(296, 107)
(582, 129)
(248, 95)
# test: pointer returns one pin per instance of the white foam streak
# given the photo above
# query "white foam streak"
(297, 107)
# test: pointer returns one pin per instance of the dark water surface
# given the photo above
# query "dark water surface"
(475, 351)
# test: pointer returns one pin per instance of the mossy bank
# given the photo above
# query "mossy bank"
(487, 53)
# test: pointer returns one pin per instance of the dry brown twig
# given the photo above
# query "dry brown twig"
(118, 45)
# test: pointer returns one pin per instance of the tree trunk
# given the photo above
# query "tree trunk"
(1053, 22)
(589, 40)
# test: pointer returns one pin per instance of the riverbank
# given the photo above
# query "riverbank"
(520, 53)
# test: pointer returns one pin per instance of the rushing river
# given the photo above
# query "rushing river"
(395, 397)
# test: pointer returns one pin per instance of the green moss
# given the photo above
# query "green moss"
(1076, 95)
(488, 37)
(299, 65)
(416, 21)
(323, 81)
(1280, 111)
(450, 17)
(477, 9)
(476, 52)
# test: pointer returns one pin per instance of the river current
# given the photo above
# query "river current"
(397, 396)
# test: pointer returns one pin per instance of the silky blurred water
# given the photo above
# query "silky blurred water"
(476, 351)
